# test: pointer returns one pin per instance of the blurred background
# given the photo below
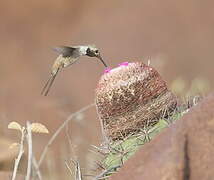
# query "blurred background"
(176, 36)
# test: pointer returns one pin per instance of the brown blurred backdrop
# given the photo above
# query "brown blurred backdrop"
(176, 35)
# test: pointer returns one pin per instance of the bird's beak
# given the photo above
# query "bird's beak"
(100, 57)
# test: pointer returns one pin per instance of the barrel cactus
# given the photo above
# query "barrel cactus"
(130, 97)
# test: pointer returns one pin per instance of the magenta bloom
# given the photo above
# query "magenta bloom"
(124, 64)
(107, 70)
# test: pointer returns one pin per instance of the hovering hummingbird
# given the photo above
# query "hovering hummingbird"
(68, 56)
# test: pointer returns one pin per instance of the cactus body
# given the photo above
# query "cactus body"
(131, 97)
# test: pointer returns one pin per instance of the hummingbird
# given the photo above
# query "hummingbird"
(68, 56)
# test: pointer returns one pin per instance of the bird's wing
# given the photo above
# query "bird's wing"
(65, 50)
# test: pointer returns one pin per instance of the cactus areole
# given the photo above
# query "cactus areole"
(130, 97)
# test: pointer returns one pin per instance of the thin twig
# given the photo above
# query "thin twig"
(99, 150)
(59, 130)
(21, 151)
(105, 138)
(36, 168)
(71, 149)
(68, 167)
(30, 151)
(78, 174)
(105, 172)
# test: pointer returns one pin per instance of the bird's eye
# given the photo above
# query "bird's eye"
(96, 51)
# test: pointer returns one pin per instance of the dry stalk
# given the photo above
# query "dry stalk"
(78, 173)
(36, 169)
(21, 151)
(30, 151)
(106, 172)
(60, 129)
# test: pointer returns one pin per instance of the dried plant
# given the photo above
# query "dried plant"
(26, 134)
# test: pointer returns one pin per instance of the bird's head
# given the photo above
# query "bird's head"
(92, 51)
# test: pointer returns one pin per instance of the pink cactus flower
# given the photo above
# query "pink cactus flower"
(107, 70)
(124, 64)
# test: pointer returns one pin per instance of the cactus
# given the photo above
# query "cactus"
(134, 105)
(130, 97)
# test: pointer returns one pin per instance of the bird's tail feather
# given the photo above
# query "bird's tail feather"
(49, 83)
